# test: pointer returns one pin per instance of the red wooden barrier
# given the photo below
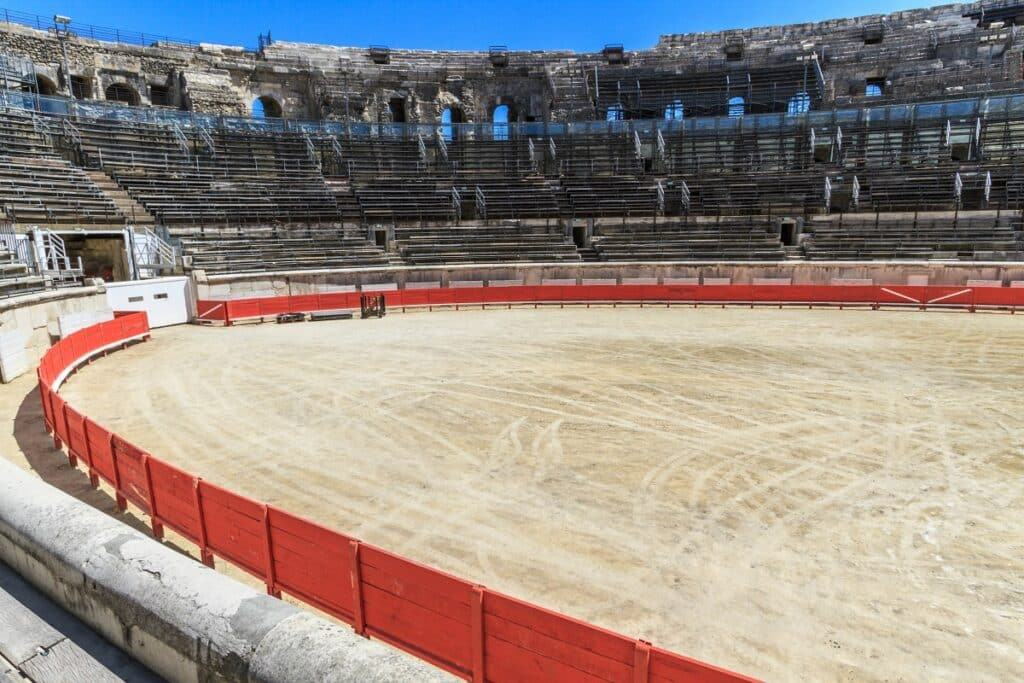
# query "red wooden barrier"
(172, 499)
(78, 447)
(525, 642)
(313, 563)
(133, 483)
(873, 295)
(463, 628)
(418, 609)
(98, 441)
(44, 398)
(60, 427)
(234, 528)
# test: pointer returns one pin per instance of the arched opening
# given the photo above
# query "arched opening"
(160, 95)
(615, 113)
(266, 107)
(799, 103)
(81, 87)
(45, 86)
(874, 87)
(397, 107)
(122, 92)
(675, 111)
(737, 106)
(499, 119)
(449, 118)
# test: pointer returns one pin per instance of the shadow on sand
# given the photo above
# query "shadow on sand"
(51, 465)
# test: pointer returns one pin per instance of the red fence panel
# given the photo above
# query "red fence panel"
(335, 300)
(133, 324)
(525, 642)
(418, 609)
(60, 428)
(98, 439)
(174, 500)
(235, 529)
(312, 563)
(44, 399)
(242, 308)
(212, 310)
(131, 472)
(57, 351)
(469, 295)
(668, 667)
(409, 297)
(740, 293)
(77, 343)
(303, 303)
(274, 305)
(78, 446)
(999, 296)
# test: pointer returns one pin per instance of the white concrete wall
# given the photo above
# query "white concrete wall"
(29, 323)
(167, 300)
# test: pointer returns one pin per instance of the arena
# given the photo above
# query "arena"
(814, 495)
(692, 362)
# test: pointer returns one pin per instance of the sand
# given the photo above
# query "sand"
(794, 494)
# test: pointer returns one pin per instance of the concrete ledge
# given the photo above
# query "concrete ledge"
(183, 620)
(33, 298)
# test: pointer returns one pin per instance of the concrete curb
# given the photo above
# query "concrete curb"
(183, 620)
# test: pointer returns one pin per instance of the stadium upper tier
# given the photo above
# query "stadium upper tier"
(896, 136)
(921, 54)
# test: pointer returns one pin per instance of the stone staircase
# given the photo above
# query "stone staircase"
(135, 212)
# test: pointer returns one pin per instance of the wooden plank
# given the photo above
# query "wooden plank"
(9, 674)
(67, 662)
(22, 632)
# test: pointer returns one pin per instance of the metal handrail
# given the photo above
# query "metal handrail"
(93, 32)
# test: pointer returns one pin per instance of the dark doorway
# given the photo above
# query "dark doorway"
(579, 236)
(788, 236)
(397, 107)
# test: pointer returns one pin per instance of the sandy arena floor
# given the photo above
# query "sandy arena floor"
(798, 495)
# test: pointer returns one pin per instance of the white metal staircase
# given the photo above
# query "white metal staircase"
(52, 259)
(152, 253)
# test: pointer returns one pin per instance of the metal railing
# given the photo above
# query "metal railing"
(16, 243)
(985, 107)
(92, 32)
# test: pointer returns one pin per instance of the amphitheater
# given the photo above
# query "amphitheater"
(696, 363)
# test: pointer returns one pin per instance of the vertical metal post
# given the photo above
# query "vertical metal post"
(62, 35)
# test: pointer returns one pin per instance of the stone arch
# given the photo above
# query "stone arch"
(46, 86)
(737, 106)
(675, 110)
(266, 107)
(122, 92)
(451, 116)
(501, 116)
(799, 103)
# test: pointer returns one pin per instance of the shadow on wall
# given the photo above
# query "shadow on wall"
(51, 465)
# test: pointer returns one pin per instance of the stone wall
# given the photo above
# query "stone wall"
(917, 53)
(33, 318)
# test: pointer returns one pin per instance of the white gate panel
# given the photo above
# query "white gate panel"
(167, 300)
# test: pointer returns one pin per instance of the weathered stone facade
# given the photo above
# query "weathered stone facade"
(909, 55)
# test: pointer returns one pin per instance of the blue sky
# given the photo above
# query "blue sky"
(580, 25)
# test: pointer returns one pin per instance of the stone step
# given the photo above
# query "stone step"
(135, 212)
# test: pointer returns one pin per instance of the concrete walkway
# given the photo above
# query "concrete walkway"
(42, 643)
